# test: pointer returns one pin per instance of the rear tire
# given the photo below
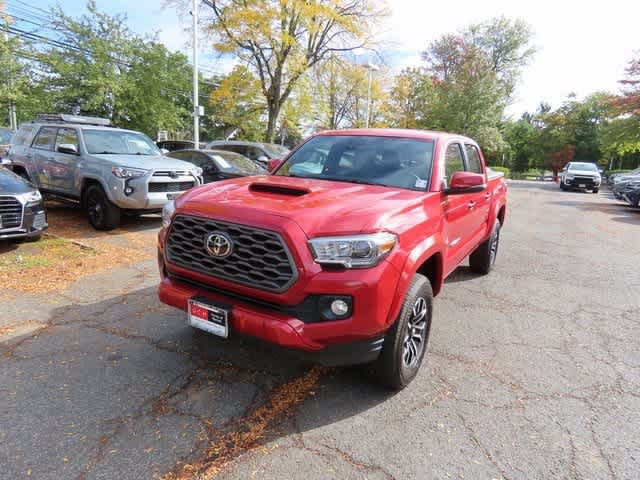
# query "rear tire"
(484, 256)
(405, 343)
(102, 214)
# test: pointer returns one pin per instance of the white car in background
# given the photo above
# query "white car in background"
(583, 175)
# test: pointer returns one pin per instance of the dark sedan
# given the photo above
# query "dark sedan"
(173, 145)
(22, 214)
(219, 165)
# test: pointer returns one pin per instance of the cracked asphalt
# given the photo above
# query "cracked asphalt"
(533, 372)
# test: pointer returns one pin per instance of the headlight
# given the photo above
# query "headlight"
(30, 197)
(353, 251)
(167, 212)
(569, 176)
(126, 172)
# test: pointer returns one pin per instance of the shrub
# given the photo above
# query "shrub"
(504, 170)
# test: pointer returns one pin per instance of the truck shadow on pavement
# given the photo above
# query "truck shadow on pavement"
(124, 387)
(629, 214)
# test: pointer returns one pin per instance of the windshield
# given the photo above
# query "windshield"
(276, 151)
(583, 166)
(5, 136)
(118, 142)
(234, 163)
(387, 161)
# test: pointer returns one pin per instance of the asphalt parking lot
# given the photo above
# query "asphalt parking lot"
(533, 372)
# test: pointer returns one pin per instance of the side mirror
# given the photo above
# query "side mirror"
(466, 182)
(5, 162)
(263, 159)
(69, 148)
(164, 151)
(273, 164)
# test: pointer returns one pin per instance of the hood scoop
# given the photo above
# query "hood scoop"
(278, 189)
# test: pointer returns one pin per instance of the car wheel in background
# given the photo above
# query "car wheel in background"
(103, 215)
(596, 190)
(405, 343)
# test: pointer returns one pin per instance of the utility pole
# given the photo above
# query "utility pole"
(13, 122)
(371, 67)
(196, 102)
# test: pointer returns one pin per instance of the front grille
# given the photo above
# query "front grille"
(170, 173)
(260, 258)
(156, 187)
(583, 180)
(11, 212)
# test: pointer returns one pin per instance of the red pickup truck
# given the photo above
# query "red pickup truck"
(339, 252)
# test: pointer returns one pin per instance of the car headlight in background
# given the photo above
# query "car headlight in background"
(30, 198)
(569, 176)
(353, 251)
(127, 172)
(167, 213)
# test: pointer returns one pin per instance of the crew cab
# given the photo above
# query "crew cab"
(339, 252)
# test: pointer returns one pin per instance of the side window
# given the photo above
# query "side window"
(44, 139)
(453, 162)
(241, 149)
(254, 153)
(473, 159)
(67, 136)
(180, 155)
(199, 159)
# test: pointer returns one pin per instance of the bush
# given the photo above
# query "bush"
(504, 170)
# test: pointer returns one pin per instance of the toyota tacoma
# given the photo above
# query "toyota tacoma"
(339, 252)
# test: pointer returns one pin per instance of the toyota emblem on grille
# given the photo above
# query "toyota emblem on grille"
(219, 245)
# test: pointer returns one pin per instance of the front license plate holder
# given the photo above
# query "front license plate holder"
(582, 185)
(210, 316)
(173, 196)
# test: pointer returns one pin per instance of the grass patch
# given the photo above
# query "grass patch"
(45, 253)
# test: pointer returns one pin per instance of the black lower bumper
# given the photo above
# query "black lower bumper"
(343, 354)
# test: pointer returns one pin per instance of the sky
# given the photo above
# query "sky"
(582, 47)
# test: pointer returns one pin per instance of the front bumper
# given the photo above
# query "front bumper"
(287, 323)
(34, 222)
(141, 195)
(582, 182)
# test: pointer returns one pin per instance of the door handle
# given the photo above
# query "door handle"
(471, 204)
(487, 195)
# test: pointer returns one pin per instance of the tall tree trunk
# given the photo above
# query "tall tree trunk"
(274, 111)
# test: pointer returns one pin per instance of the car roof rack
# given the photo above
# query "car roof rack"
(67, 118)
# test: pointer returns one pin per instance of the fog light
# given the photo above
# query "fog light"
(128, 190)
(339, 308)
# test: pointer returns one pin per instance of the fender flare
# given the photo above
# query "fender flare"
(82, 183)
(425, 250)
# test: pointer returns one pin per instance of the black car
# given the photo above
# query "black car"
(632, 194)
(22, 214)
(260, 153)
(173, 145)
(218, 164)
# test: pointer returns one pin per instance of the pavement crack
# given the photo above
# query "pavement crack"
(485, 451)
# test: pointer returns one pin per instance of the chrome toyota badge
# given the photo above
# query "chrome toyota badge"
(219, 245)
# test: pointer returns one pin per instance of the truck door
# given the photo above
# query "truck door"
(41, 153)
(65, 164)
(479, 213)
(456, 208)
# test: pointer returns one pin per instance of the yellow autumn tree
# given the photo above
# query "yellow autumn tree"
(283, 39)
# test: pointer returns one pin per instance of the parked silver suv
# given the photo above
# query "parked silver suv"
(110, 171)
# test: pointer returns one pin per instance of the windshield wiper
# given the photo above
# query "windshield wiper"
(106, 153)
(353, 180)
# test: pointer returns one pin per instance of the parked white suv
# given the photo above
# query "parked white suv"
(108, 170)
(580, 175)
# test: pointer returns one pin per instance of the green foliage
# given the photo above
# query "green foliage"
(504, 170)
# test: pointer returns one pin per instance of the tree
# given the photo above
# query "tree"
(281, 40)
(411, 98)
(99, 67)
(236, 106)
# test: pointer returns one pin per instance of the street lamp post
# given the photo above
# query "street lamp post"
(196, 102)
(371, 67)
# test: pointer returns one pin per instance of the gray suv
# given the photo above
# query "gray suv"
(109, 171)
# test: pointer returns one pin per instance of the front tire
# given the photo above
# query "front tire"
(596, 190)
(103, 215)
(484, 256)
(405, 343)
